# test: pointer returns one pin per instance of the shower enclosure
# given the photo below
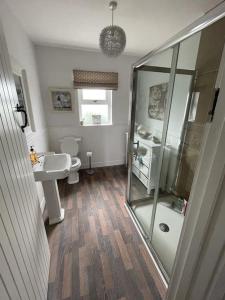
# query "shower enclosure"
(173, 98)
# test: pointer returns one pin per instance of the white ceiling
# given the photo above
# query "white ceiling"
(78, 23)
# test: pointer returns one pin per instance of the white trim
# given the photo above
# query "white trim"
(108, 163)
(68, 127)
(96, 125)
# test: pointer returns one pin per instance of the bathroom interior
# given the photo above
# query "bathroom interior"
(110, 148)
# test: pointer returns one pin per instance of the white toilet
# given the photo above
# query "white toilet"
(70, 145)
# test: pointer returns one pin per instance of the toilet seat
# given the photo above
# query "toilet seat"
(75, 163)
(70, 145)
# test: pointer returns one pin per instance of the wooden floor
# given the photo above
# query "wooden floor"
(96, 252)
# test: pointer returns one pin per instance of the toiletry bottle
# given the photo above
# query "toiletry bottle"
(33, 156)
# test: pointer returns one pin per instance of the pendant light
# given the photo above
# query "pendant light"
(112, 39)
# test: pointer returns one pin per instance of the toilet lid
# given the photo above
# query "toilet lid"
(69, 145)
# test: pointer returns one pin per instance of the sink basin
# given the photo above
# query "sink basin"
(52, 167)
(48, 170)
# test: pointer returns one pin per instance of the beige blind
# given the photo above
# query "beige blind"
(94, 79)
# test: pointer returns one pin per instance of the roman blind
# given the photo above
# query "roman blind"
(95, 79)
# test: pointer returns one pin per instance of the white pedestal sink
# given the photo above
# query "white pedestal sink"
(51, 168)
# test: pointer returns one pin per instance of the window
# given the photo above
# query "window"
(95, 107)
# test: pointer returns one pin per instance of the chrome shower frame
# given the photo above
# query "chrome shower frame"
(206, 20)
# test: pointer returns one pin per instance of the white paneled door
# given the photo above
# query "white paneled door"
(24, 251)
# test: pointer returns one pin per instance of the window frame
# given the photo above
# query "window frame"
(108, 102)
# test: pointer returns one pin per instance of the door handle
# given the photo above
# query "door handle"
(20, 108)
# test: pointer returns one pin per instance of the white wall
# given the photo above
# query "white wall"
(21, 50)
(55, 66)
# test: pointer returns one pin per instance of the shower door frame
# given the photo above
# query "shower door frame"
(173, 71)
(172, 76)
(211, 17)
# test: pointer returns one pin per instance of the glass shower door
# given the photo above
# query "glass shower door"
(169, 216)
(152, 81)
(171, 200)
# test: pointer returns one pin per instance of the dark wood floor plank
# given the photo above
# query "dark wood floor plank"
(140, 278)
(67, 276)
(103, 223)
(155, 278)
(54, 263)
(75, 272)
(123, 250)
(84, 257)
(75, 226)
(107, 274)
(96, 252)
(93, 230)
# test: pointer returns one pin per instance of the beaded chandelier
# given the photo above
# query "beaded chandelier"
(112, 39)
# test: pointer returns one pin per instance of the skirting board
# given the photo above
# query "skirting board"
(104, 164)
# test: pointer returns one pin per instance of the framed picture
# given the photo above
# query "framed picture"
(62, 99)
(157, 101)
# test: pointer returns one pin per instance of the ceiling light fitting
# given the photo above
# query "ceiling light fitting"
(112, 39)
